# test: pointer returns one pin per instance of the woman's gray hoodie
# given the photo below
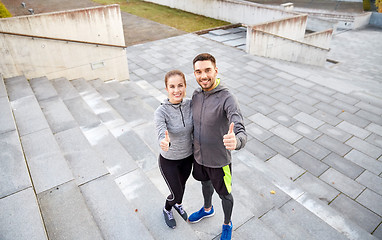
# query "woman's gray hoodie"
(177, 119)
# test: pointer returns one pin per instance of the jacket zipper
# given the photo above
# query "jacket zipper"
(181, 113)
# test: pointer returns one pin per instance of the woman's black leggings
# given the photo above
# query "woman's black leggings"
(175, 173)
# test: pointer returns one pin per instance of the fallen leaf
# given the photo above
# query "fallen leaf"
(273, 192)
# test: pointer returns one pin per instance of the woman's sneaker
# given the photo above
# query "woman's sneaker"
(169, 218)
(199, 215)
(180, 210)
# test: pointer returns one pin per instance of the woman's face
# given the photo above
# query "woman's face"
(176, 89)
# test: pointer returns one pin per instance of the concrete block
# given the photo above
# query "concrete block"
(135, 186)
(324, 90)
(124, 91)
(263, 89)
(287, 90)
(265, 98)
(7, 122)
(308, 120)
(260, 150)
(105, 90)
(355, 120)
(28, 115)
(334, 132)
(375, 140)
(282, 118)
(322, 97)
(317, 187)
(329, 108)
(14, 172)
(48, 167)
(306, 108)
(66, 215)
(375, 128)
(309, 163)
(302, 86)
(286, 134)
(64, 89)
(82, 113)
(289, 110)
(286, 167)
(20, 217)
(312, 148)
(369, 107)
(263, 121)
(306, 131)
(17, 87)
(365, 161)
(345, 98)
(354, 130)
(85, 163)
(371, 200)
(365, 147)
(43, 88)
(333, 145)
(58, 115)
(219, 32)
(371, 181)
(3, 91)
(133, 110)
(248, 92)
(282, 97)
(305, 98)
(116, 159)
(312, 224)
(326, 117)
(347, 108)
(369, 116)
(255, 229)
(261, 107)
(378, 232)
(343, 165)
(342, 183)
(258, 132)
(281, 146)
(111, 210)
(356, 212)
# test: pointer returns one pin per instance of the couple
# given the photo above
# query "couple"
(199, 133)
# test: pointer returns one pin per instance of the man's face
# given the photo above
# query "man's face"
(205, 73)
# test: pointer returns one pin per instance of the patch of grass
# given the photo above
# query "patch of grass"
(178, 19)
(4, 13)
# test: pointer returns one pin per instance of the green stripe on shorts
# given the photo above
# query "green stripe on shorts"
(227, 178)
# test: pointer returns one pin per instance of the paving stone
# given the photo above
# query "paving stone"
(326, 117)
(334, 132)
(261, 107)
(302, 86)
(282, 118)
(343, 165)
(308, 120)
(282, 97)
(322, 97)
(286, 167)
(345, 106)
(369, 116)
(326, 107)
(286, 90)
(17, 87)
(354, 130)
(375, 140)
(371, 181)
(306, 130)
(258, 132)
(7, 123)
(269, 83)
(111, 211)
(356, 212)
(286, 134)
(20, 217)
(309, 163)
(345, 98)
(14, 172)
(303, 107)
(66, 215)
(365, 147)
(375, 128)
(281, 146)
(365, 161)
(369, 108)
(58, 115)
(80, 155)
(378, 232)
(43, 88)
(64, 89)
(315, 226)
(28, 115)
(324, 90)
(47, 166)
(342, 183)
(260, 150)
(282, 107)
(333, 145)
(264, 98)
(371, 200)
(312, 148)
(317, 187)
(254, 229)
(355, 120)
(263, 89)
(262, 121)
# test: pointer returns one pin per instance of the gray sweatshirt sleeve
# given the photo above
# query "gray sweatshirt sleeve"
(234, 115)
(160, 123)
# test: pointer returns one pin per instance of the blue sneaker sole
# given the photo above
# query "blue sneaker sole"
(202, 218)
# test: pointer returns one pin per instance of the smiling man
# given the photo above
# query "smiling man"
(218, 129)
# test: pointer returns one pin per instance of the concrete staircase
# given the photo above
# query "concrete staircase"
(78, 160)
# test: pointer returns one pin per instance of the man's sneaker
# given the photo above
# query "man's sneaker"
(226, 232)
(180, 210)
(199, 215)
(169, 218)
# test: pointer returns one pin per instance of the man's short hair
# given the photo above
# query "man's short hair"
(204, 57)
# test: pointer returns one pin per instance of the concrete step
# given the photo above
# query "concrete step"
(66, 214)
(105, 90)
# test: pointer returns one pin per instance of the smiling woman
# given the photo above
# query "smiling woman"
(176, 18)
(4, 13)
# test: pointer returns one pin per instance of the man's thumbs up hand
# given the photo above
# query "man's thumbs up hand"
(165, 143)
(229, 139)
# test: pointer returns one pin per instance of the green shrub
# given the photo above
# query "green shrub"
(4, 13)
(366, 5)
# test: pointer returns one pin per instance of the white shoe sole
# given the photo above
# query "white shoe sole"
(202, 218)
